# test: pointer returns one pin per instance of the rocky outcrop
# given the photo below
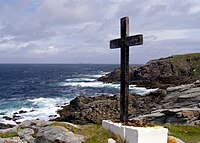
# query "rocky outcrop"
(5, 126)
(164, 72)
(180, 105)
(178, 116)
(114, 76)
(175, 105)
(38, 131)
(84, 109)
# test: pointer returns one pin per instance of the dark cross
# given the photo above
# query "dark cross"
(124, 42)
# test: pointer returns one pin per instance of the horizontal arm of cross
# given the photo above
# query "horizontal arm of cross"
(129, 41)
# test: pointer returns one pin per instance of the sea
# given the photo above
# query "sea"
(40, 90)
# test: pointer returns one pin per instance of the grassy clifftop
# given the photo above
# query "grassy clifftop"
(192, 59)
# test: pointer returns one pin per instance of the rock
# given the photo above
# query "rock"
(180, 116)
(27, 134)
(115, 75)
(22, 111)
(6, 126)
(11, 140)
(175, 105)
(84, 110)
(52, 116)
(195, 123)
(162, 73)
(25, 131)
(38, 131)
(15, 117)
(7, 118)
(57, 134)
(180, 88)
(38, 123)
(147, 104)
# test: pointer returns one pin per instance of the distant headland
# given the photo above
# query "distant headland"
(163, 72)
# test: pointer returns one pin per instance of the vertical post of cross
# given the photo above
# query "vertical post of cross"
(124, 90)
(124, 42)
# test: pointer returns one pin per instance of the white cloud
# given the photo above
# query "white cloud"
(51, 50)
(6, 38)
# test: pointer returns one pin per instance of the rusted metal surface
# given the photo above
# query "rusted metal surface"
(124, 42)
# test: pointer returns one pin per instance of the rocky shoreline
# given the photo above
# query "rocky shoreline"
(177, 105)
(180, 105)
(174, 105)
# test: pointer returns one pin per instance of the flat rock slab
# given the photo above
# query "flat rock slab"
(57, 134)
(190, 95)
(137, 134)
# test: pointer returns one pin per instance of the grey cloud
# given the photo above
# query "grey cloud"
(74, 30)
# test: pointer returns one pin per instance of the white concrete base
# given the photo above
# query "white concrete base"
(137, 134)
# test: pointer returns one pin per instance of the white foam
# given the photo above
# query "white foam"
(96, 84)
(44, 107)
(80, 80)
(141, 90)
(98, 75)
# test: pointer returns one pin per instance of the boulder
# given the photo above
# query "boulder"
(34, 123)
(84, 110)
(22, 112)
(11, 140)
(57, 134)
(22, 133)
(5, 126)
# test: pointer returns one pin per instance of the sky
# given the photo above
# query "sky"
(79, 31)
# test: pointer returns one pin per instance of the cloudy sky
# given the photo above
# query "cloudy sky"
(79, 31)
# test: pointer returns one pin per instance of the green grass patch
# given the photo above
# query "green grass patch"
(189, 134)
(197, 70)
(8, 135)
(93, 133)
(185, 56)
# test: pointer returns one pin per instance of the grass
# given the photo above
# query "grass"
(96, 134)
(93, 133)
(197, 70)
(185, 56)
(181, 62)
(8, 135)
(189, 134)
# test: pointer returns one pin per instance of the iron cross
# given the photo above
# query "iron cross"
(124, 42)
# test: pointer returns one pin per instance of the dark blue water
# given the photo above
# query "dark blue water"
(31, 81)
(32, 86)
(41, 89)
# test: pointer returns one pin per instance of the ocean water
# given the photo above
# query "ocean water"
(41, 89)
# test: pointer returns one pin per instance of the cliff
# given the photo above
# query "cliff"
(162, 73)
